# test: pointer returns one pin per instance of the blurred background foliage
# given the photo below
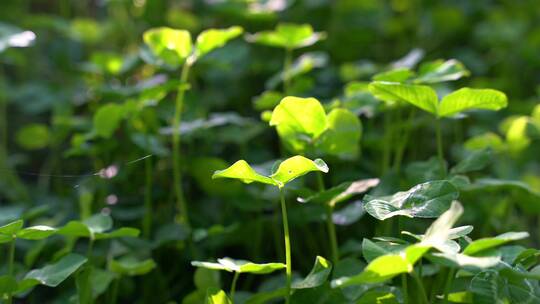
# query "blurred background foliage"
(87, 54)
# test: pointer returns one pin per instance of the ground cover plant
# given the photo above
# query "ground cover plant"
(252, 152)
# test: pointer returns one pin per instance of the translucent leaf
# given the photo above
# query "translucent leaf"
(459, 260)
(297, 166)
(216, 296)
(299, 121)
(318, 275)
(288, 36)
(385, 267)
(211, 39)
(420, 96)
(440, 71)
(170, 45)
(467, 99)
(426, 200)
(243, 171)
(480, 245)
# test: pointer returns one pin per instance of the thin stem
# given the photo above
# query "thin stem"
(421, 289)
(387, 140)
(404, 288)
(398, 157)
(114, 291)
(440, 152)
(90, 249)
(147, 220)
(233, 285)
(330, 226)
(287, 70)
(287, 246)
(448, 283)
(11, 259)
(332, 235)
(177, 175)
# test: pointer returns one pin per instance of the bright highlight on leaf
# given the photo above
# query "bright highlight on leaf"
(170, 45)
(288, 36)
(212, 39)
(425, 98)
(240, 266)
(288, 170)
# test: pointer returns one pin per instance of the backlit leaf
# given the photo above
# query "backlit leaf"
(420, 96)
(243, 171)
(288, 36)
(212, 39)
(170, 45)
(468, 99)
(297, 166)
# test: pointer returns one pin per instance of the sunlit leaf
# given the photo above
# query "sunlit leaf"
(299, 121)
(240, 266)
(420, 96)
(480, 245)
(216, 296)
(212, 39)
(297, 166)
(242, 170)
(170, 45)
(342, 192)
(288, 36)
(468, 99)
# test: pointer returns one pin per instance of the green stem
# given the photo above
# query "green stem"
(233, 285)
(287, 246)
(330, 226)
(404, 288)
(448, 283)
(114, 291)
(181, 205)
(287, 70)
(147, 220)
(11, 260)
(11, 257)
(398, 157)
(90, 249)
(440, 153)
(386, 142)
(421, 289)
